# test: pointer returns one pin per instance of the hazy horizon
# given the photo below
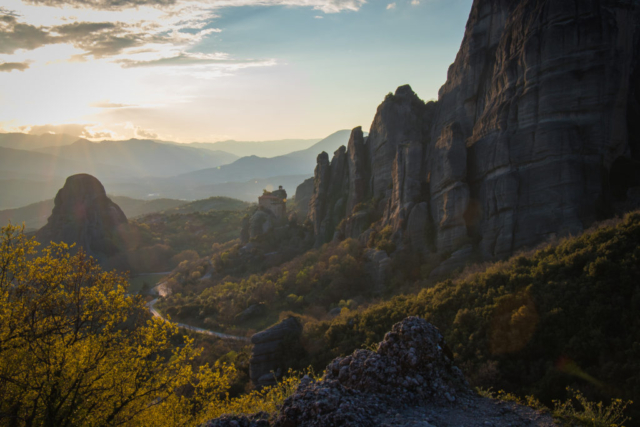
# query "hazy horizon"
(215, 70)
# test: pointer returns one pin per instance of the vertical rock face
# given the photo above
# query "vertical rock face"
(359, 172)
(303, 196)
(84, 215)
(328, 202)
(535, 132)
(400, 122)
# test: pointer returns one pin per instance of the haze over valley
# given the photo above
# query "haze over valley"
(147, 169)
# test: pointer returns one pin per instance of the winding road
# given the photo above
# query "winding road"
(155, 312)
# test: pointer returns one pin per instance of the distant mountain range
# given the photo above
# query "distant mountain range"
(23, 164)
(145, 169)
(143, 157)
(25, 141)
(256, 148)
(300, 162)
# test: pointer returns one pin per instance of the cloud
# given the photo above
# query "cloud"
(142, 133)
(391, 6)
(103, 4)
(107, 104)
(415, 2)
(11, 66)
(327, 6)
(77, 130)
(160, 40)
(318, 17)
(97, 39)
(5, 11)
(15, 35)
(101, 135)
(184, 58)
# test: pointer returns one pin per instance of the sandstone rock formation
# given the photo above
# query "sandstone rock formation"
(261, 222)
(535, 133)
(84, 215)
(329, 200)
(269, 347)
(303, 196)
(409, 381)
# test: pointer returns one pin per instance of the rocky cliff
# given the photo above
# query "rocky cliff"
(535, 133)
(84, 215)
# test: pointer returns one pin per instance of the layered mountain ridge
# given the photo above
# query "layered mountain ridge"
(534, 134)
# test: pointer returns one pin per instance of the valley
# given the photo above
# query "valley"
(470, 260)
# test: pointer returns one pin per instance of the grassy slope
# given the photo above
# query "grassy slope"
(564, 315)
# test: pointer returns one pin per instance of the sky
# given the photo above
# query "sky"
(211, 70)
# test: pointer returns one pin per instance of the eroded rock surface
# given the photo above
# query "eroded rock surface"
(409, 381)
(303, 195)
(84, 215)
(535, 133)
(261, 222)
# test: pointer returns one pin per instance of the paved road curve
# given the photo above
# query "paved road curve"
(155, 312)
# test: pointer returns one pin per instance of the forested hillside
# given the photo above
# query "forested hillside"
(565, 314)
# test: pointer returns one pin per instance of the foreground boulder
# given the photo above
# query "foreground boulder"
(412, 365)
(270, 348)
(409, 381)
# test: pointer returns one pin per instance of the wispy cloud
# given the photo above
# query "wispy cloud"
(99, 39)
(121, 31)
(184, 58)
(107, 104)
(88, 131)
(145, 133)
(13, 66)
(391, 6)
(15, 35)
(415, 2)
(5, 11)
(327, 6)
(103, 4)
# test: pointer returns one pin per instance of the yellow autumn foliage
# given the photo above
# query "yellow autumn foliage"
(77, 350)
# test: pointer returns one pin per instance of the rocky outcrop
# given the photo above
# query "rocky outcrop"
(84, 215)
(303, 195)
(409, 380)
(534, 134)
(329, 200)
(269, 350)
(262, 221)
(359, 172)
